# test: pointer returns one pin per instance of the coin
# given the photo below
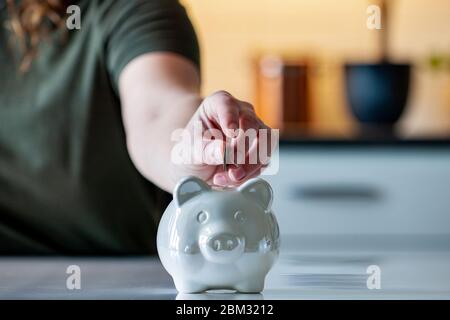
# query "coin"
(225, 157)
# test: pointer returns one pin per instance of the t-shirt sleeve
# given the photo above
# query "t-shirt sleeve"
(137, 27)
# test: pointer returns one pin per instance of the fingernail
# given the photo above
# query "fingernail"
(238, 174)
(220, 179)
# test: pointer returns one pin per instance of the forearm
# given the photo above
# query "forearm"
(150, 143)
(159, 94)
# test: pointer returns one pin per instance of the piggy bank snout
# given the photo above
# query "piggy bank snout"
(223, 242)
(221, 247)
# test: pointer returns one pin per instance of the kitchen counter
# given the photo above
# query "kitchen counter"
(302, 272)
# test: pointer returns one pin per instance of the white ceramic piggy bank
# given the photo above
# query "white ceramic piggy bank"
(219, 239)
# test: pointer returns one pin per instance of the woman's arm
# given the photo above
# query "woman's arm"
(159, 94)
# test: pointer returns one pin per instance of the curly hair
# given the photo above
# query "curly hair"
(31, 21)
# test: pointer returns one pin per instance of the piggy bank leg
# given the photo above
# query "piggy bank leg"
(187, 286)
(250, 286)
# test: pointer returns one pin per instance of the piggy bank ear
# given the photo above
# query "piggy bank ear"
(258, 190)
(189, 188)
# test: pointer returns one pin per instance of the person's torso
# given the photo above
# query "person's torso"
(67, 184)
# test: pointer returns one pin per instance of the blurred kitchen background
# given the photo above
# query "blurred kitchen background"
(364, 162)
(288, 57)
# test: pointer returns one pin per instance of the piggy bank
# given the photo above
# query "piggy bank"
(210, 239)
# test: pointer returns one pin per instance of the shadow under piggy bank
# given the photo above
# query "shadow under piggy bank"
(220, 295)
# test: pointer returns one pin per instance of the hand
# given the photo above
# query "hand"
(223, 122)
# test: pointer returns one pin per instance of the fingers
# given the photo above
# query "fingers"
(241, 171)
(237, 174)
(225, 179)
(228, 114)
(213, 152)
(223, 108)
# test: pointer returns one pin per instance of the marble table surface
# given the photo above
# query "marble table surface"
(302, 272)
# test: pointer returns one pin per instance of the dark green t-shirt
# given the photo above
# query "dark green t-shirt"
(67, 184)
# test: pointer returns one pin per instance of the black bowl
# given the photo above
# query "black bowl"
(377, 93)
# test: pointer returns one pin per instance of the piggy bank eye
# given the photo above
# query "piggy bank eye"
(202, 216)
(239, 216)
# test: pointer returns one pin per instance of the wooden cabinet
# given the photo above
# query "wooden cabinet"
(282, 93)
